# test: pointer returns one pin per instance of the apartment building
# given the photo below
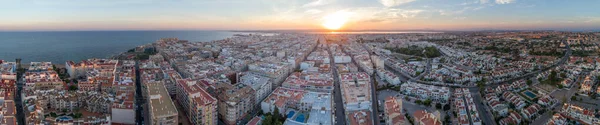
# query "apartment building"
(161, 109)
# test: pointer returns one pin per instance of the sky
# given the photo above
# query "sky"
(75, 15)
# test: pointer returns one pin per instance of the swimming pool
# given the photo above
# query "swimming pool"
(291, 114)
(300, 118)
(530, 94)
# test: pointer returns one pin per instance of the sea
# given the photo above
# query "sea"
(61, 46)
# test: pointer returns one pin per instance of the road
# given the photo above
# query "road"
(485, 114)
(18, 99)
(340, 118)
(139, 99)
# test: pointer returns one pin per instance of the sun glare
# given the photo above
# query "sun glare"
(335, 21)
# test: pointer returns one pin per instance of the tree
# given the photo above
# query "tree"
(73, 87)
(563, 75)
(573, 98)
(276, 114)
(529, 82)
(438, 106)
(268, 120)
(446, 107)
(418, 102)
(427, 102)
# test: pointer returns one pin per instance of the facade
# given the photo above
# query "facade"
(42, 80)
(235, 102)
(123, 110)
(199, 106)
(393, 112)
(424, 118)
(423, 92)
(356, 91)
(261, 85)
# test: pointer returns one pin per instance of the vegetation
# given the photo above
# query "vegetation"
(494, 48)
(73, 87)
(429, 52)
(554, 53)
(273, 119)
(427, 102)
(553, 79)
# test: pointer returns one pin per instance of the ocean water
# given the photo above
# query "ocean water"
(59, 47)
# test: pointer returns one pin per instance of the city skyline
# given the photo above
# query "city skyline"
(64, 15)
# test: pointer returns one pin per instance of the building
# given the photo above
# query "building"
(314, 104)
(261, 85)
(235, 102)
(40, 66)
(282, 99)
(42, 80)
(356, 91)
(393, 112)
(317, 82)
(161, 109)
(424, 118)
(388, 76)
(199, 106)
(423, 92)
(359, 117)
(122, 110)
(580, 114)
(276, 71)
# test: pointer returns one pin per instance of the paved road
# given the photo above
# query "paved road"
(340, 118)
(485, 114)
(139, 100)
(18, 99)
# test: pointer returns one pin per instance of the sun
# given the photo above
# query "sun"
(335, 21)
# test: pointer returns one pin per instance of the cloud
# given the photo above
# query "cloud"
(505, 1)
(393, 3)
(483, 1)
(317, 3)
(376, 15)
(313, 11)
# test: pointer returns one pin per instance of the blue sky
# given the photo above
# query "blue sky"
(298, 14)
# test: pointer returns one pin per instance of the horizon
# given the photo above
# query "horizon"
(333, 15)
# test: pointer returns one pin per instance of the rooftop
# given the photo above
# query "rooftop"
(160, 102)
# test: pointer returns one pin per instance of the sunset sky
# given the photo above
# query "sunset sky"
(41, 15)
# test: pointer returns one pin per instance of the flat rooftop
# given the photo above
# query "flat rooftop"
(160, 102)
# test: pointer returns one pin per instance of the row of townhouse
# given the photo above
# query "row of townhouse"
(531, 111)
(494, 102)
(515, 86)
(464, 103)
(514, 99)
(557, 119)
(388, 76)
(580, 114)
(547, 100)
(513, 118)
(423, 92)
